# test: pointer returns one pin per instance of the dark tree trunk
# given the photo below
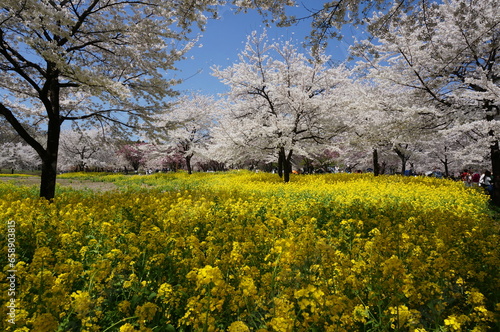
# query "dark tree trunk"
(281, 157)
(49, 159)
(48, 178)
(492, 111)
(446, 163)
(495, 168)
(376, 165)
(285, 163)
(403, 157)
(403, 166)
(446, 168)
(383, 166)
(188, 164)
(287, 169)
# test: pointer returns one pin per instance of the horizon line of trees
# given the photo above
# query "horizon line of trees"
(90, 152)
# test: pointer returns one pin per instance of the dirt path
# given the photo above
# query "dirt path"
(72, 183)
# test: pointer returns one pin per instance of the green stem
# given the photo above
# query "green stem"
(121, 321)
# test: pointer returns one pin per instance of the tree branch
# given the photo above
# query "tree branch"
(18, 127)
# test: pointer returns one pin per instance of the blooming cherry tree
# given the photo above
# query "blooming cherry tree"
(134, 154)
(280, 101)
(16, 155)
(186, 129)
(87, 149)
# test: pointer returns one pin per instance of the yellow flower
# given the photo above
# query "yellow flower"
(124, 306)
(475, 297)
(45, 323)
(207, 275)
(166, 290)
(146, 312)
(238, 326)
(400, 315)
(22, 329)
(248, 286)
(452, 322)
(82, 303)
(283, 317)
(361, 313)
(127, 327)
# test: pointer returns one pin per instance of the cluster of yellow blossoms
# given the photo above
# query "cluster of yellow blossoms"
(241, 251)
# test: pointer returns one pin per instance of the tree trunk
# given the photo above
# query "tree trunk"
(376, 166)
(188, 164)
(48, 178)
(446, 163)
(286, 161)
(287, 169)
(281, 156)
(284, 165)
(403, 157)
(492, 111)
(495, 168)
(446, 168)
(49, 161)
(383, 166)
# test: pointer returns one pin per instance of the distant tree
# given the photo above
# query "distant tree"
(78, 148)
(14, 152)
(281, 102)
(455, 150)
(321, 161)
(186, 129)
(172, 159)
(18, 156)
(82, 150)
(134, 154)
(211, 166)
(387, 117)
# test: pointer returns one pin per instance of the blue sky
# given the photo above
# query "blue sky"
(224, 39)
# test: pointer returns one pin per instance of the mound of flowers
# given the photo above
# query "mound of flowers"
(241, 251)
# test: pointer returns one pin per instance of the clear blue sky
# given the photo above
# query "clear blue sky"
(224, 39)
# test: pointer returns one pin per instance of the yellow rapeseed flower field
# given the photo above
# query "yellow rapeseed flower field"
(242, 251)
